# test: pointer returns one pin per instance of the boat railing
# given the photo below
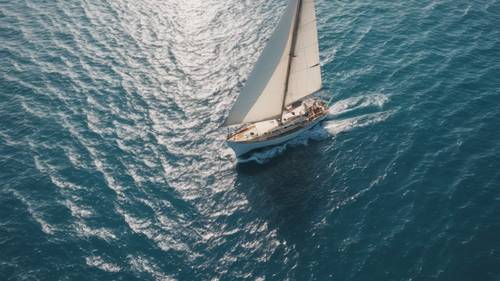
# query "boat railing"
(312, 113)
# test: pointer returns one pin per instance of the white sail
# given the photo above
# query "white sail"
(305, 73)
(287, 70)
(262, 96)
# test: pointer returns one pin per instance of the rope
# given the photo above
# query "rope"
(329, 101)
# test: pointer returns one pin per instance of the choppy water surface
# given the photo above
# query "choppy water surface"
(113, 165)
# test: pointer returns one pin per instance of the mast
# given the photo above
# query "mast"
(294, 42)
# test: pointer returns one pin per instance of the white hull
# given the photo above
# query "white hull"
(241, 148)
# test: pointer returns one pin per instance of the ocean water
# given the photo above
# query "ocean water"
(113, 164)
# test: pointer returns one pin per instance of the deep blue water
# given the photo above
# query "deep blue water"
(113, 165)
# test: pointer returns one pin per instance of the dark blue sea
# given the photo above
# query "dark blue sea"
(113, 164)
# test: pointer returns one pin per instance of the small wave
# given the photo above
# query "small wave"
(86, 231)
(141, 264)
(51, 172)
(328, 56)
(37, 216)
(98, 262)
(153, 232)
(78, 211)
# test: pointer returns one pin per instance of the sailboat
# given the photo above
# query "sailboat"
(275, 104)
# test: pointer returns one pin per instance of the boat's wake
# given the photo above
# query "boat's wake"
(339, 120)
(358, 103)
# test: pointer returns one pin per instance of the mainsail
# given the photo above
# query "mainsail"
(287, 70)
(305, 72)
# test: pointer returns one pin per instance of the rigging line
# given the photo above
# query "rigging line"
(330, 100)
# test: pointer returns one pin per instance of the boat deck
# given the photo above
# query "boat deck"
(293, 118)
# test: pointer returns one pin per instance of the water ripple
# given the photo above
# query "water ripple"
(113, 163)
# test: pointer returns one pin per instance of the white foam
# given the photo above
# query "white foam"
(62, 183)
(77, 211)
(328, 56)
(354, 103)
(334, 127)
(98, 262)
(141, 264)
(86, 231)
(74, 157)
